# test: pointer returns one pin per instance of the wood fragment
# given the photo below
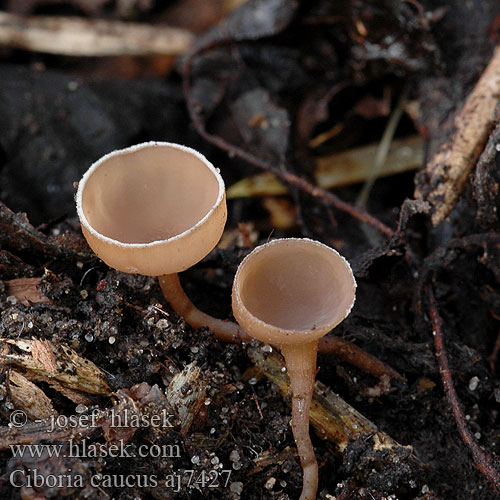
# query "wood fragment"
(74, 36)
(67, 368)
(42, 352)
(115, 423)
(16, 233)
(77, 397)
(29, 397)
(31, 432)
(267, 458)
(332, 418)
(119, 427)
(449, 169)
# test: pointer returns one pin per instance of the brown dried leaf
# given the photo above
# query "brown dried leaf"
(26, 291)
(121, 423)
(340, 169)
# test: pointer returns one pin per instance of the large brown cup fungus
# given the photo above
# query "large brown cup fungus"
(291, 292)
(156, 209)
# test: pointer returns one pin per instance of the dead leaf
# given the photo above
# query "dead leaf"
(264, 126)
(26, 291)
(340, 169)
(70, 370)
(281, 212)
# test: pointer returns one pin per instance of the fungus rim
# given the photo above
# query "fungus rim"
(292, 336)
(132, 149)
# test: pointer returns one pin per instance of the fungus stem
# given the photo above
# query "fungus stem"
(173, 292)
(301, 366)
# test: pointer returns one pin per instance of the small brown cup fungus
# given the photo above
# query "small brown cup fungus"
(291, 292)
(156, 209)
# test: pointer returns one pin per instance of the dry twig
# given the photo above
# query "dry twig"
(354, 355)
(72, 36)
(449, 169)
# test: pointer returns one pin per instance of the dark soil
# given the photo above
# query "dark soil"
(303, 68)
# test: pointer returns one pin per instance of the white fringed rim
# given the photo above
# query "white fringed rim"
(132, 149)
(261, 248)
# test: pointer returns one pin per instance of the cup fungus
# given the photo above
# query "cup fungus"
(156, 209)
(291, 292)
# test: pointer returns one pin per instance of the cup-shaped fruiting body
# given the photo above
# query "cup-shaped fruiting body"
(291, 292)
(156, 208)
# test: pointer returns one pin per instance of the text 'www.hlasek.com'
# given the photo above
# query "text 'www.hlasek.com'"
(29, 467)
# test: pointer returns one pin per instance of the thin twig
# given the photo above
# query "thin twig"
(354, 355)
(293, 180)
(75, 36)
(481, 459)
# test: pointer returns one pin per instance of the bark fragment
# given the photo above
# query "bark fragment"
(29, 397)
